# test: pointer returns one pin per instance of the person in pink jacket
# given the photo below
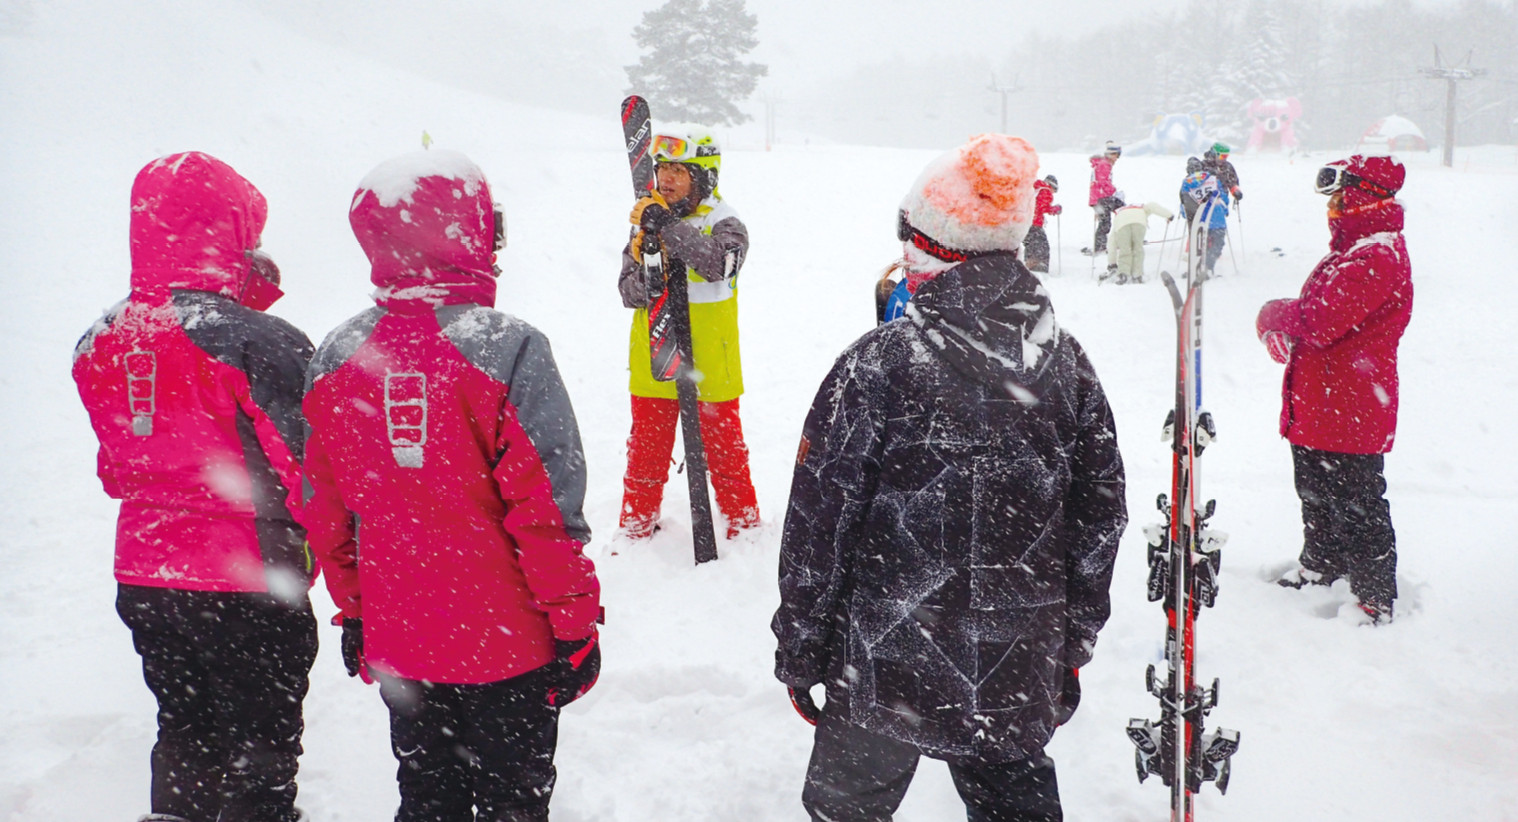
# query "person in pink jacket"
(1338, 340)
(194, 395)
(447, 479)
(1101, 195)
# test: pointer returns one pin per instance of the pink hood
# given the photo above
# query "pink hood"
(427, 224)
(195, 222)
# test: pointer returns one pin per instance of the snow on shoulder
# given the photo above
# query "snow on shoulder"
(397, 179)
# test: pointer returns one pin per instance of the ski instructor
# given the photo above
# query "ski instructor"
(1338, 341)
(704, 240)
(954, 518)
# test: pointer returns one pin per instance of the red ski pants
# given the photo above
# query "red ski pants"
(649, 450)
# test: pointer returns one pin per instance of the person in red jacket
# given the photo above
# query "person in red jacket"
(442, 433)
(1036, 245)
(194, 395)
(1338, 341)
(1101, 196)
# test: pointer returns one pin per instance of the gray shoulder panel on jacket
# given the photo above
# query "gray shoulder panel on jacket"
(340, 345)
(518, 355)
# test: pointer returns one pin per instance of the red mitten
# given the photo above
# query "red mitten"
(1278, 344)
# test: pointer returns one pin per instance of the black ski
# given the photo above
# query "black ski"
(669, 336)
(1184, 559)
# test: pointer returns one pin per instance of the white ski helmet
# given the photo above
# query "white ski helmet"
(692, 145)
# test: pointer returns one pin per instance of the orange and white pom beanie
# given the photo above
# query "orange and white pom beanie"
(974, 200)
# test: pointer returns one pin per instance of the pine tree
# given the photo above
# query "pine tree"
(692, 68)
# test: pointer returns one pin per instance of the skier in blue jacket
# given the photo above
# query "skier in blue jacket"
(1198, 187)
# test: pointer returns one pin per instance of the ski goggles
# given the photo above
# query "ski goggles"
(672, 149)
(1334, 177)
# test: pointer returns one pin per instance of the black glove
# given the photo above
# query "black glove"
(652, 215)
(353, 650)
(577, 666)
(801, 700)
(1238, 195)
(1069, 697)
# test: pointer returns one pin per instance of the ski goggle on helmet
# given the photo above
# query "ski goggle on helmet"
(691, 144)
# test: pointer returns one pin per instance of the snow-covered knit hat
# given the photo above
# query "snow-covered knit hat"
(974, 200)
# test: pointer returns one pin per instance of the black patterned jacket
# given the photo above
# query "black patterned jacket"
(953, 520)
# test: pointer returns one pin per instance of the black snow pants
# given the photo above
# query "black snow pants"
(1104, 208)
(1036, 250)
(1346, 521)
(229, 671)
(473, 752)
(859, 776)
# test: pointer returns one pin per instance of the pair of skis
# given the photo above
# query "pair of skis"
(1184, 560)
(669, 334)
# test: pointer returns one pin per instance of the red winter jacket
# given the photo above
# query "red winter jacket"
(1340, 390)
(195, 398)
(1043, 203)
(444, 459)
(1101, 179)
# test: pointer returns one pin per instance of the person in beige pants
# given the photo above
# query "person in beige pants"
(1129, 224)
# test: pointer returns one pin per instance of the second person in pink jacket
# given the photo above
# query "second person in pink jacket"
(1339, 340)
(447, 480)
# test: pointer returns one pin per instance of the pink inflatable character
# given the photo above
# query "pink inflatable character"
(1274, 122)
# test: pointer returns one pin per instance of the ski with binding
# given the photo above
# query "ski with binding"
(1184, 560)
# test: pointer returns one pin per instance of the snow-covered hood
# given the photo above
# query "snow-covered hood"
(427, 224)
(991, 318)
(194, 225)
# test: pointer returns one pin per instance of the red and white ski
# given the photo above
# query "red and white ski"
(1184, 559)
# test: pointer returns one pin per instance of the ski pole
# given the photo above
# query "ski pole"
(1095, 221)
(1059, 242)
(1243, 252)
(1165, 238)
(1233, 259)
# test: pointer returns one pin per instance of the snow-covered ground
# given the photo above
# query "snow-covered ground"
(1415, 721)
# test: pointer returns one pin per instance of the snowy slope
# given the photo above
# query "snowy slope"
(1415, 721)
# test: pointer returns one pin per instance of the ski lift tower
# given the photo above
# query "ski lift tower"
(1004, 91)
(1452, 76)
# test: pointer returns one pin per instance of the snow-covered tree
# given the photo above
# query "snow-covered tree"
(693, 67)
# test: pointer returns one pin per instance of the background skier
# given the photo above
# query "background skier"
(1036, 245)
(1129, 225)
(703, 239)
(195, 397)
(1196, 190)
(1101, 193)
(1215, 160)
(443, 427)
(1339, 341)
(953, 520)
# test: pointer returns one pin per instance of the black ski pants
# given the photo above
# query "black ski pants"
(1036, 249)
(860, 776)
(1346, 521)
(1104, 208)
(473, 753)
(229, 671)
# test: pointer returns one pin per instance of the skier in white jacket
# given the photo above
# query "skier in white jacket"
(1129, 225)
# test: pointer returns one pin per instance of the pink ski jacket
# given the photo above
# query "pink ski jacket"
(1340, 389)
(1101, 179)
(445, 464)
(195, 398)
